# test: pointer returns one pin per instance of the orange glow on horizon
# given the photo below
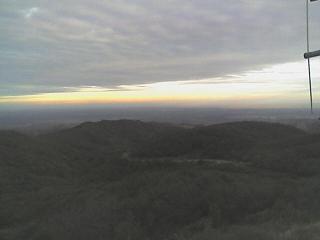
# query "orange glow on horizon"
(147, 96)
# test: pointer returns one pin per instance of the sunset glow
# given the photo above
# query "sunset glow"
(263, 87)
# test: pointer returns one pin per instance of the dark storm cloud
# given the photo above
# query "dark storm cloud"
(49, 46)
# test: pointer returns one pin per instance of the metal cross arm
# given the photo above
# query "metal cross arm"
(312, 54)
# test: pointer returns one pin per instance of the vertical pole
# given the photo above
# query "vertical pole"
(309, 65)
(310, 87)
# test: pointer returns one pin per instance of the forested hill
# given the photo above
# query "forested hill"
(136, 180)
(94, 142)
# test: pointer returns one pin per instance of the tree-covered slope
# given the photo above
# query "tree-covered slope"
(135, 180)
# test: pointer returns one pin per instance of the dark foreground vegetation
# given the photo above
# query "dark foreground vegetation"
(129, 180)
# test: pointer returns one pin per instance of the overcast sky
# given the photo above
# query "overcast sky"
(67, 45)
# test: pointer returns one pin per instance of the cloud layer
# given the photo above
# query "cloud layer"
(53, 46)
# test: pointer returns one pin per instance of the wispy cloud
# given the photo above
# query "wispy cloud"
(28, 13)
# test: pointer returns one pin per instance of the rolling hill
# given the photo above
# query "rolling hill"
(136, 180)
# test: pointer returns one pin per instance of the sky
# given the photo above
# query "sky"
(231, 53)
